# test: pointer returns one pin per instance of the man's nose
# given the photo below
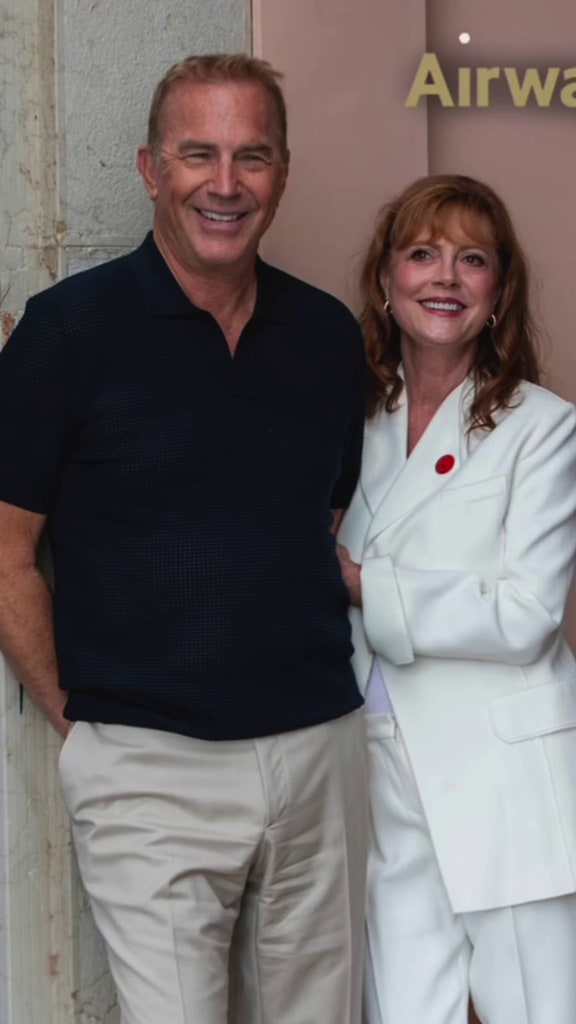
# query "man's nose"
(225, 177)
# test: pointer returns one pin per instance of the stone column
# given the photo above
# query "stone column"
(76, 78)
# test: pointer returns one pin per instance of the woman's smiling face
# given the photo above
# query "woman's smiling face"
(443, 288)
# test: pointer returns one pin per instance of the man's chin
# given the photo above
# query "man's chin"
(224, 257)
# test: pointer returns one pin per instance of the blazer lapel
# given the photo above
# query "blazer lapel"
(384, 454)
(394, 484)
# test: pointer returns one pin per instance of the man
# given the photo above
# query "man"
(184, 418)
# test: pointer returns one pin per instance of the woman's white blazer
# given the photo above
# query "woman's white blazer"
(465, 577)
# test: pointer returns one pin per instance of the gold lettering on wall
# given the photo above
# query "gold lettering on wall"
(530, 86)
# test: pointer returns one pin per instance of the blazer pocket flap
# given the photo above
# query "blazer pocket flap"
(538, 712)
(478, 491)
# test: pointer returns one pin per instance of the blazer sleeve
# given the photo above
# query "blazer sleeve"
(410, 611)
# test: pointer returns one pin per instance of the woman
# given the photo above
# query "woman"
(458, 552)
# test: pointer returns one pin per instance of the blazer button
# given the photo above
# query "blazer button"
(445, 464)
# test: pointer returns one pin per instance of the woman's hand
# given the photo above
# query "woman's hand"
(350, 575)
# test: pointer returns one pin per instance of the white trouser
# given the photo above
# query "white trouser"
(174, 835)
(423, 961)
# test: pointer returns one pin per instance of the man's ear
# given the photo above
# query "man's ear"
(148, 168)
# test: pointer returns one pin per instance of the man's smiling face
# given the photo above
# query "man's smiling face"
(218, 176)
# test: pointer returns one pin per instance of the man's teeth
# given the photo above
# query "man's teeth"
(223, 217)
(450, 307)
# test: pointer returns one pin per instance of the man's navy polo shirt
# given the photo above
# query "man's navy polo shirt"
(188, 496)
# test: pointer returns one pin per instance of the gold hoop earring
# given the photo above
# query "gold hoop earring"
(387, 308)
(491, 322)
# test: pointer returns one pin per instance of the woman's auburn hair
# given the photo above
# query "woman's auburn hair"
(507, 353)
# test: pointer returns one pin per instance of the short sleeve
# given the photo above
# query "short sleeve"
(33, 400)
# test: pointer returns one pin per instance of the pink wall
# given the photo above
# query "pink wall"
(528, 154)
(349, 65)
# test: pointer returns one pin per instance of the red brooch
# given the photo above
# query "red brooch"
(445, 464)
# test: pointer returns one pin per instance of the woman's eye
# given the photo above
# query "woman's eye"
(475, 259)
(418, 255)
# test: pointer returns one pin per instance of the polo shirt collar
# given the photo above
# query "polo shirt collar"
(164, 297)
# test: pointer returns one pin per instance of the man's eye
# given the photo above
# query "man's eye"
(253, 160)
(197, 156)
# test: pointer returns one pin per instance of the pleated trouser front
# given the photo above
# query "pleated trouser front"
(184, 844)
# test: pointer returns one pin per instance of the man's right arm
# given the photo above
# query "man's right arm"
(26, 624)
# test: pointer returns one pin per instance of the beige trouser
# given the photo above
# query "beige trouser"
(175, 835)
(423, 960)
